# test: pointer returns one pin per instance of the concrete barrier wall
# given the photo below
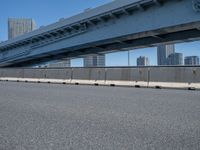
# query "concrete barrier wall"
(178, 74)
(139, 74)
(81, 73)
(65, 74)
(146, 74)
(127, 74)
(34, 73)
(118, 74)
(17, 73)
(98, 74)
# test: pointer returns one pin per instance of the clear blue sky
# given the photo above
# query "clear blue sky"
(45, 12)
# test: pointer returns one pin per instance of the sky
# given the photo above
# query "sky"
(45, 12)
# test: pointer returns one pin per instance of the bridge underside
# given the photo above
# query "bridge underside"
(147, 25)
(121, 45)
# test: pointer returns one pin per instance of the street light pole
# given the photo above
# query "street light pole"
(128, 58)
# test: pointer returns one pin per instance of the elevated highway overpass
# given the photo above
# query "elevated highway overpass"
(115, 26)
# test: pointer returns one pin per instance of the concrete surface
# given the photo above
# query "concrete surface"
(36, 116)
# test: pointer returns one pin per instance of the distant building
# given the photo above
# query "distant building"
(175, 59)
(191, 60)
(63, 63)
(94, 61)
(163, 51)
(17, 27)
(142, 61)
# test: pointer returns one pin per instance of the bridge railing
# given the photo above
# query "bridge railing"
(159, 77)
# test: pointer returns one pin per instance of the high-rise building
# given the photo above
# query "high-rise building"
(175, 59)
(142, 61)
(163, 51)
(17, 27)
(94, 61)
(191, 60)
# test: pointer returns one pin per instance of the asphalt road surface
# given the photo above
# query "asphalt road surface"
(66, 117)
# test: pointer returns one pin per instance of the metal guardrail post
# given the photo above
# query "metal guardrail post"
(45, 73)
(71, 74)
(105, 75)
(148, 77)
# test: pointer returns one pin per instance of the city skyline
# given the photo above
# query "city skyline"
(151, 53)
(94, 61)
(40, 16)
(191, 60)
(143, 61)
(163, 52)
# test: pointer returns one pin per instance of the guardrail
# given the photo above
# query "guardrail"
(155, 77)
